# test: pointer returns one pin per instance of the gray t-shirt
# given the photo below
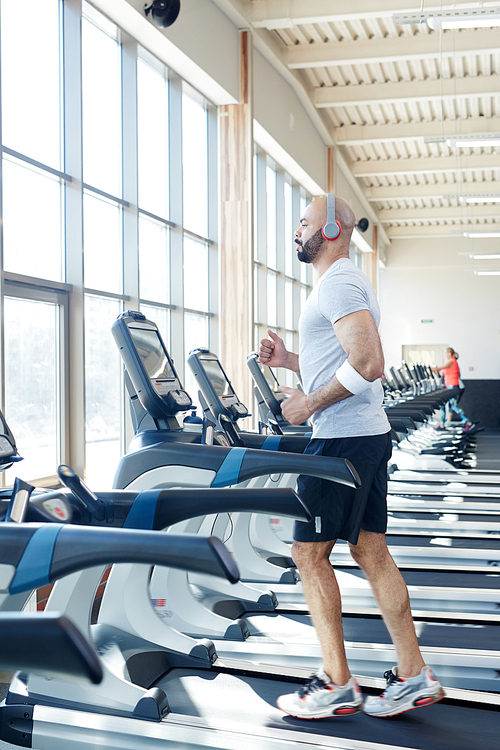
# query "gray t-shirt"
(341, 290)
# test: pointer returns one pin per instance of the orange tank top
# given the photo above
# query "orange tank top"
(451, 374)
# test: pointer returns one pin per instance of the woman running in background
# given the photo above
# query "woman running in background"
(451, 374)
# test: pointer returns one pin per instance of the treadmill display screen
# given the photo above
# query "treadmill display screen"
(152, 354)
(217, 377)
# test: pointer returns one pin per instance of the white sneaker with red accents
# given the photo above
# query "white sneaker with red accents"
(404, 694)
(319, 699)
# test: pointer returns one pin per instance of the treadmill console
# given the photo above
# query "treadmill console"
(215, 385)
(267, 383)
(149, 365)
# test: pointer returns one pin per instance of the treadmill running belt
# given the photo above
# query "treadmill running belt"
(249, 704)
(371, 630)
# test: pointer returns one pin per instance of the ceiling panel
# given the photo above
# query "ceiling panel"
(382, 89)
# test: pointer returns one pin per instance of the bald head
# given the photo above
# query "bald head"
(343, 214)
(313, 247)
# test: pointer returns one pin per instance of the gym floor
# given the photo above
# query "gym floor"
(488, 457)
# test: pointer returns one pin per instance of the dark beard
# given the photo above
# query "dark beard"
(309, 250)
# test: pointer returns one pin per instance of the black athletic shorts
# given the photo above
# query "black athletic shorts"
(339, 512)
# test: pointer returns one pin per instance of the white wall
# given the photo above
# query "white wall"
(279, 111)
(434, 279)
(202, 46)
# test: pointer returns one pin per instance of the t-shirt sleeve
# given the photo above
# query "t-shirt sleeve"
(340, 296)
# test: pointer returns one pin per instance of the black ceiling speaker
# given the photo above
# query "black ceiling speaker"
(362, 225)
(163, 12)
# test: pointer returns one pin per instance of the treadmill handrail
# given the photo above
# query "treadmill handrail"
(47, 644)
(247, 463)
(41, 553)
(162, 508)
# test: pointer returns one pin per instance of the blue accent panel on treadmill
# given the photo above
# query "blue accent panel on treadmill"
(142, 513)
(271, 443)
(34, 566)
(308, 434)
(229, 470)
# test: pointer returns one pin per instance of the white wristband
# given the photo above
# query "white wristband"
(351, 379)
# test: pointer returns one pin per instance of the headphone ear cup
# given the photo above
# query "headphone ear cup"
(331, 230)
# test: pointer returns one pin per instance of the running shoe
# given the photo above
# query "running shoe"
(320, 699)
(404, 694)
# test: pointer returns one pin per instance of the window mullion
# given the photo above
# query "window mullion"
(176, 215)
(213, 227)
(130, 170)
(73, 451)
(281, 242)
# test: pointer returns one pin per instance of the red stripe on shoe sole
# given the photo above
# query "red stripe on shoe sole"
(424, 701)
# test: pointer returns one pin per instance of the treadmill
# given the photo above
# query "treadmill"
(226, 407)
(163, 454)
(88, 723)
(171, 505)
(221, 398)
(226, 704)
(293, 627)
(269, 399)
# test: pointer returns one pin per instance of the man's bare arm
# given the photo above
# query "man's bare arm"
(359, 338)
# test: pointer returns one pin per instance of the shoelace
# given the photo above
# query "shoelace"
(392, 679)
(315, 682)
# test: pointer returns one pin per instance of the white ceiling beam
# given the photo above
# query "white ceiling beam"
(402, 91)
(277, 14)
(392, 50)
(359, 135)
(413, 233)
(451, 164)
(428, 192)
(458, 213)
(406, 192)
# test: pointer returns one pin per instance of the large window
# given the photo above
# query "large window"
(281, 282)
(32, 209)
(33, 383)
(31, 91)
(101, 96)
(103, 386)
(152, 135)
(108, 189)
(194, 158)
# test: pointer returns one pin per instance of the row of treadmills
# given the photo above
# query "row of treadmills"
(203, 621)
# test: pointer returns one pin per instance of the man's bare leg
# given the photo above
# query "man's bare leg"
(323, 599)
(391, 594)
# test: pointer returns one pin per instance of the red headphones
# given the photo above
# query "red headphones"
(331, 229)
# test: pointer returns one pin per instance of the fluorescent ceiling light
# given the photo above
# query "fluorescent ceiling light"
(493, 198)
(481, 234)
(451, 19)
(472, 18)
(469, 141)
(486, 256)
(487, 273)
(473, 197)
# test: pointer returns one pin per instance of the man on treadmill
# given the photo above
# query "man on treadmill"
(341, 362)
